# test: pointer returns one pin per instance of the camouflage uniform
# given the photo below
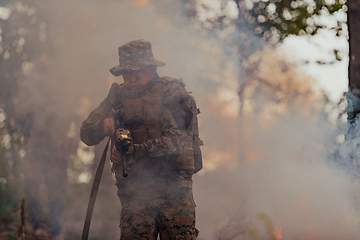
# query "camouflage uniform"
(156, 197)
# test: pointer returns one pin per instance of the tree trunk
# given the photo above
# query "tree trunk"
(354, 46)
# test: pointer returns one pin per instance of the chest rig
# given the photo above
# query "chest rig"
(141, 115)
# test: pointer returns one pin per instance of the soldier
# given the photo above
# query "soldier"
(164, 151)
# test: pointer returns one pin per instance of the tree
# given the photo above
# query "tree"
(271, 20)
(354, 59)
(19, 28)
(26, 107)
(275, 20)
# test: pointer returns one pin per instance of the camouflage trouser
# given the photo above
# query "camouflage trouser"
(171, 217)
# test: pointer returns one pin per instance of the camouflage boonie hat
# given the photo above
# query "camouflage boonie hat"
(135, 55)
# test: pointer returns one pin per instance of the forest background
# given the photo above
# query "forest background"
(277, 148)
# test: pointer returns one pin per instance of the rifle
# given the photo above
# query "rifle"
(122, 141)
(122, 137)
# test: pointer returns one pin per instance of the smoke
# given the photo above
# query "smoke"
(267, 139)
(286, 144)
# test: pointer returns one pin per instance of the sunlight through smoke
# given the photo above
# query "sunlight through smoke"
(4, 13)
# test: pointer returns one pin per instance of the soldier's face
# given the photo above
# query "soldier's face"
(138, 80)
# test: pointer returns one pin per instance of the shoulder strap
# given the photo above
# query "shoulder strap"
(175, 80)
(114, 95)
(116, 104)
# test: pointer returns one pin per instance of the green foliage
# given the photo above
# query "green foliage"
(269, 228)
(268, 22)
(8, 201)
(269, 225)
(253, 234)
(12, 236)
(271, 20)
(9, 198)
(274, 20)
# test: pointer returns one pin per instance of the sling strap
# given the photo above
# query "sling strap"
(93, 194)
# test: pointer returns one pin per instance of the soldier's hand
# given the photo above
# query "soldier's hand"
(109, 126)
(126, 147)
(130, 149)
(115, 156)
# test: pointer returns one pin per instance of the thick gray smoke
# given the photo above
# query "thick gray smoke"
(266, 158)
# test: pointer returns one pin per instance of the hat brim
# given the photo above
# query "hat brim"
(134, 65)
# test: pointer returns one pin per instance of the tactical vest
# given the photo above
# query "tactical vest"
(141, 115)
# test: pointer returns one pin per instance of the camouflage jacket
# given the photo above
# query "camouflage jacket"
(174, 132)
